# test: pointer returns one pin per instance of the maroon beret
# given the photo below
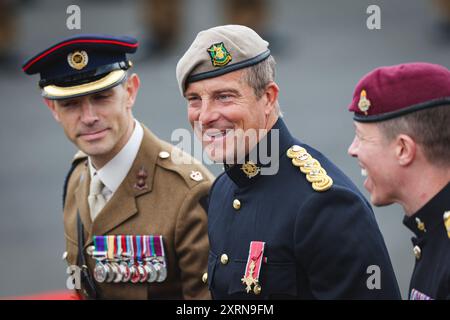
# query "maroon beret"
(389, 92)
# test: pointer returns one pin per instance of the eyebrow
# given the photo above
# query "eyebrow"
(216, 92)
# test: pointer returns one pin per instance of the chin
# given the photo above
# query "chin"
(94, 150)
(379, 201)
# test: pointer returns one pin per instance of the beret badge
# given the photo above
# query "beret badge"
(219, 55)
(77, 59)
(364, 103)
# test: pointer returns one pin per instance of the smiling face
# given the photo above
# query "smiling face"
(376, 157)
(224, 110)
(99, 124)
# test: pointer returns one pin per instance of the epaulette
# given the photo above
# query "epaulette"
(310, 167)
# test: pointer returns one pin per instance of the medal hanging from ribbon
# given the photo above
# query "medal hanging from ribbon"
(253, 267)
(160, 260)
(101, 270)
(148, 256)
(123, 257)
(129, 258)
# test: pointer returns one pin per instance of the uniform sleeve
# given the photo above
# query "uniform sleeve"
(339, 245)
(191, 243)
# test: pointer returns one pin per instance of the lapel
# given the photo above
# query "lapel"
(122, 205)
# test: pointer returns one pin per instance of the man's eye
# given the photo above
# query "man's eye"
(224, 97)
(101, 97)
(68, 104)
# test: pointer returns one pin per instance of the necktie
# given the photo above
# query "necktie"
(96, 199)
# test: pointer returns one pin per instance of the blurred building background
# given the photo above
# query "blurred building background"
(322, 49)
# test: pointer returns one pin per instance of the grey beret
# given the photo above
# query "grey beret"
(220, 50)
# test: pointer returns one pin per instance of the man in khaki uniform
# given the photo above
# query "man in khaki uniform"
(125, 191)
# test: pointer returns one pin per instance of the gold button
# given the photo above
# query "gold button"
(417, 252)
(257, 289)
(224, 259)
(205, 277)
(236, 204)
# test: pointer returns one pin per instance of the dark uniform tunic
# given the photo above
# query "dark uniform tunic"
(318, 245)
(431, 275)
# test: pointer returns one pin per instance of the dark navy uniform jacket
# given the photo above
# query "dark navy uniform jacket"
(431, 275)
(318, 245)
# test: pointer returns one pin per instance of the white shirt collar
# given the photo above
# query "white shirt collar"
(114, 172)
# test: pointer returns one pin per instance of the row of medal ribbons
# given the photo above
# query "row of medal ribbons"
(129, 258)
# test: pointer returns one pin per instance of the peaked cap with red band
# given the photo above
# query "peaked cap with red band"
(390, 92)
(82, 64)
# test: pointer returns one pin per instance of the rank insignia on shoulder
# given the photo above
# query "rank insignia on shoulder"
(314, 172)
(196, 176)
(447, 222)
(129, 258)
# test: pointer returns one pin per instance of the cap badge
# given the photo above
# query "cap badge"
(77, 59)
(364, 103)
(219, 55)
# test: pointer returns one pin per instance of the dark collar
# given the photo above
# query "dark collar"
(239, 173)
(430, 216)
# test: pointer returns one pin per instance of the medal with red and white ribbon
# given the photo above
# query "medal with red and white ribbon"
(253, 267)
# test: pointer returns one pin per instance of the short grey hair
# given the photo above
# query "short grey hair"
(259, 76)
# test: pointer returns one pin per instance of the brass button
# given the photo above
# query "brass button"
(224, 259)
(205, 277)
(257, 289)
(236, 204)
(417, 252)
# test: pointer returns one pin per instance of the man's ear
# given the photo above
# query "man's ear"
(51, 104)
(271, 96)
(132, 87)
(405, 149)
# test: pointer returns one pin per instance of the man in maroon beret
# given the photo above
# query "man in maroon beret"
(402, 143)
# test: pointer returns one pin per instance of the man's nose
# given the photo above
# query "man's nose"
(352, 149)
(208, 113)
(88, 114)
